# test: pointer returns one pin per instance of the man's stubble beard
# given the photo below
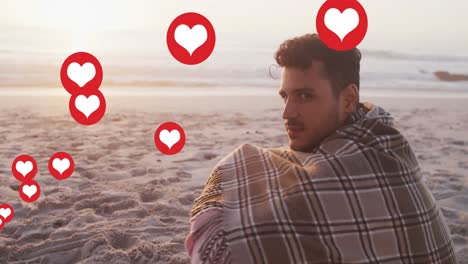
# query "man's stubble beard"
(335, 124)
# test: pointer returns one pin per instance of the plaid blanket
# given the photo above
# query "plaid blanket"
(358, 197)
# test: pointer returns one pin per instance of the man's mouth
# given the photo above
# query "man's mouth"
(294, 131)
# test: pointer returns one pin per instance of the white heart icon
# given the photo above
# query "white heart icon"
(24, 167)
(29, 190)
(87, 105)
(81, 75)
(61, 165)
(341, 23)
(190, 39)
(169, 138)
(5, 212)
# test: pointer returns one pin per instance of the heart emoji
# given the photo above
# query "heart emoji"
(61, 165)
(341, 23)
(81, 75)
(29, 190)
(190, 39)
(87, 105)
(169, 143)
(169, 138)
(24, 167)
(7, 212)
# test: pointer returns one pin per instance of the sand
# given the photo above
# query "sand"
(128, 203)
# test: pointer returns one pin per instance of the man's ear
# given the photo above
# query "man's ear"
(350, 98)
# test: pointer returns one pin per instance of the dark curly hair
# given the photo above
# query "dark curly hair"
(340, 67)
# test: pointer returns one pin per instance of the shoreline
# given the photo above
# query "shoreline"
(227, 92)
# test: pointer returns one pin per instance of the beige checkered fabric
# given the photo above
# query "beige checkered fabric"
(358, 197)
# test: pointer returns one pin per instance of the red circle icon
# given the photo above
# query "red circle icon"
(7, 212)
(24, 167)
(341, 25)
(61, 165)
(191, 38)
(169, 138)
(29, 191)
(2, 222)
(81, 71)
(87, 108)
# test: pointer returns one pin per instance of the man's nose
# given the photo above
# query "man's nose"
(290, 110)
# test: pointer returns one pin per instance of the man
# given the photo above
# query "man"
(347, 190)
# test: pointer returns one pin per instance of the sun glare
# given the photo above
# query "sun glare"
(80, 16)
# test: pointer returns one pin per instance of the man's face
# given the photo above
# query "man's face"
(311, 112)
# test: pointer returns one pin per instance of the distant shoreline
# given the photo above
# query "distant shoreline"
(197, 92)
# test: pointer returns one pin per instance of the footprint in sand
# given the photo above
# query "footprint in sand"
(136, 172)
(119, 240)
(187, 199)
(184, 174)
(110, 208)
(150, 195)
(463, 164)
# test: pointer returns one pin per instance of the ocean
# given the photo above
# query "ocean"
(134, 64)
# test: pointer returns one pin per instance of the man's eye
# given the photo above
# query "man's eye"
(305, 95)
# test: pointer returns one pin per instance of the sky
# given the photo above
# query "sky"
(399, 25)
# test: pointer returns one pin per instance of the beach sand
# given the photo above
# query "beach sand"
(128, 203)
